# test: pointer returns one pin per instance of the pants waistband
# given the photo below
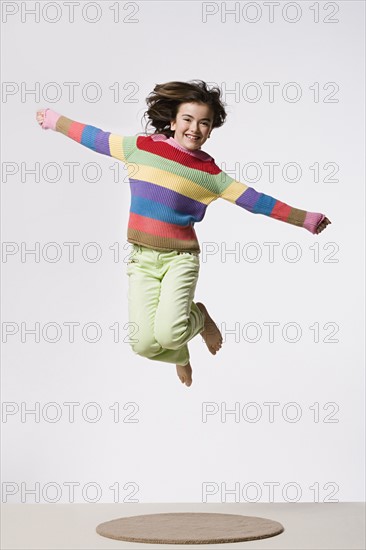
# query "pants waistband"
(142, 248)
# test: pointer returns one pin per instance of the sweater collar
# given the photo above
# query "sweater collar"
(174, 143)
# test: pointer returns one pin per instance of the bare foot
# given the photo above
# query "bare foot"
(185, 373)
(210, 334)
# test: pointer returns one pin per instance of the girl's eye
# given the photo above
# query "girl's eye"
(187, 120)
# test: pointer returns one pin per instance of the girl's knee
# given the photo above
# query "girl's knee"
(168, 338)
(164, 338)
(145, 348)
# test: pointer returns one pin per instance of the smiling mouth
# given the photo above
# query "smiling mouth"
(192, 138)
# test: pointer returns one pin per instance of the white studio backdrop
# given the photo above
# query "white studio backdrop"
(278, 414)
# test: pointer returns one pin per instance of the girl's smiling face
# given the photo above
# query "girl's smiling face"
(193, 124)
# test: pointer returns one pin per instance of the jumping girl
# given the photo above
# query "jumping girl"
(172, 184)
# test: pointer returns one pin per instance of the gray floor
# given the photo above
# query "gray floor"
(329, 526)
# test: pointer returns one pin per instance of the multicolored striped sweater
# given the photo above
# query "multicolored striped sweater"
(172, 186)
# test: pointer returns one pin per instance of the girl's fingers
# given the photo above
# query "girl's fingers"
(323, 225)
(40, 116)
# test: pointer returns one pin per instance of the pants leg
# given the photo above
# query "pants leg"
(177, 318)
(160, 297)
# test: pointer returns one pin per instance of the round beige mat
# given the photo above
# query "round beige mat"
(189, 528)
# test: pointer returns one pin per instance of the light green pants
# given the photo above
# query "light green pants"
(160, 303)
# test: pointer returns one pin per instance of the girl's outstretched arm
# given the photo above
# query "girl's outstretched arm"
(94, 138)
(248, 198)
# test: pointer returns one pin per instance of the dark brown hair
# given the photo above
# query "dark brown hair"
(163, 103)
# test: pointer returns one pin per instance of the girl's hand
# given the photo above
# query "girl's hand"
(322, 225)
(40, 116)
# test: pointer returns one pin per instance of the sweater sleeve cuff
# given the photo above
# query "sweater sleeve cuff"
(50, 119)
(312, 220)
